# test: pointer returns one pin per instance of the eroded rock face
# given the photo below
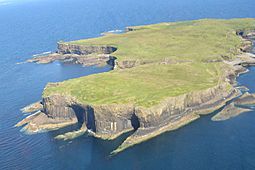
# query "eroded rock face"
(106, 121)
(32, 107)
(228, 112)
(110, 121)
(246, 99)
(176, 112)
(58, 107)
(40, 122)
(79, 54)
(64, 48)
(176, 107)
(247, 46)
(56, 113)
(113, 120)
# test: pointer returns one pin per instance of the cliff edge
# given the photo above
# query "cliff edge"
(164, 76)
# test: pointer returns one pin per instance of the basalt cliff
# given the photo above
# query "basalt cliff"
(109, 121)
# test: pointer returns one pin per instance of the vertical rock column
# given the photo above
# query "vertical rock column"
(113, 120)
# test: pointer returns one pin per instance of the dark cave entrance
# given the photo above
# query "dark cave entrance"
(111, 61)
(135, 122)
(79, 112)
(91, 119)
(85, 114)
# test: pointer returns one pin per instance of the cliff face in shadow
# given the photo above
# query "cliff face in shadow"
(106, 121)
(110, 121)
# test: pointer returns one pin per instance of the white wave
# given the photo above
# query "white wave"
(21, 62)
(42, 54)
(112, 32)
(115, 31)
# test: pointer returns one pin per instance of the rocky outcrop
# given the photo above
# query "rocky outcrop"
(58, 107)
(56, 113)
(247, 34)
(228, 112)
(110, 121)
(144, 134)
(246, 100)
(79, 54)
(105, 121)
(113, 120)
(176, 112)
(128, 29)
(247, 46)
(73, 134)
(239, 66)
(86, 60)
(40, 122)
(65, 48)
(32, 107)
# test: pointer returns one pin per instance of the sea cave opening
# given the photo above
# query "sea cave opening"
(135, 122)
(85, 115)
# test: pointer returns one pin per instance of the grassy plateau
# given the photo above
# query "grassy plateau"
(181, 57)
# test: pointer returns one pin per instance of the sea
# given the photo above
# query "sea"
(33, 27)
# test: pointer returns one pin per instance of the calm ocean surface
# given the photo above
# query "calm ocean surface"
(29, 27)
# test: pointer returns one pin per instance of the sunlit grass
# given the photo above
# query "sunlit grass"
(190, 44)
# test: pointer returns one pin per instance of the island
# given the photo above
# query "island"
(164, 76)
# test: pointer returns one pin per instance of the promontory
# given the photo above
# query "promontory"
(164, 76)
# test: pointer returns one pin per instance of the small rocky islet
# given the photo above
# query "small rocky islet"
(164, 76)
(229, 111)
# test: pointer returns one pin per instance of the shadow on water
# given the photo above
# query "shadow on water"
(64, 130)
(107, 146)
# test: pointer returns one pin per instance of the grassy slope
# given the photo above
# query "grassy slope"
(147, 85)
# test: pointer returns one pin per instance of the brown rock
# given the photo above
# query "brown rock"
(228, 112)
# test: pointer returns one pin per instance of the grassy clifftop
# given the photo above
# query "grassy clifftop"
(190, 40)
(181, 57)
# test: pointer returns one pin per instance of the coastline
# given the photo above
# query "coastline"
(213, 99)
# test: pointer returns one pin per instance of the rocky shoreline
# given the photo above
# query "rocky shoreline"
(228, 112)
(240, 105)
(76, 54)
(110, 121)
(246, 100)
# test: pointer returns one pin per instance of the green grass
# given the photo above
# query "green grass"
(192, 41)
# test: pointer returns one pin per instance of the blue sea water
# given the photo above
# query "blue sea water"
(29, 27)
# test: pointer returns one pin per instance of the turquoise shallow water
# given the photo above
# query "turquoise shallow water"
(34, 26)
